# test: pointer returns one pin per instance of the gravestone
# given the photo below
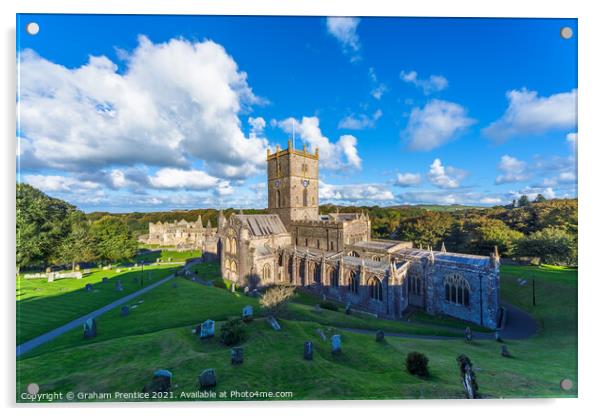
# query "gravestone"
(90, 328)
(505, 352)
(105, 279)
(308, 350)
(498, 336)
(125, 310)
(468, 334)
(233, 287)
(89, 287)
(324, 297)
(273, 323)
(380, 335)
(247, 313)
(174, 285)
(255, 293)
(197, 330)
(161, 382)
(335, 342)
(246, 290)
(48, 270)
(207, 329)
(236, 355)
(119, 286)
(50, 277)
(469, 379)
(317, 307)
(348, 308)
(207, 379)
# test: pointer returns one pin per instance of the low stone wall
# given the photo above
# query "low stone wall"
(54, 276)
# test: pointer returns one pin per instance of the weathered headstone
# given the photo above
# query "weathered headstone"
(308, 350)
(321, 334)
(498, 336)
(89, 287)
(233, 287)
(246, 290)
(468, 334)
(161, 382)
(207, 379)
(90, 328)
(207, 329)
(335, 342)
(505, 352)
(237, 355)
(247, 313)
(273, 323)
(50, 277)
(125, 310)
(119, 286)
(469, 379)
(380, 335)
(317, 308)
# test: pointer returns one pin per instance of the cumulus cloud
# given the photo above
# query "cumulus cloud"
(408, 179)
(532, 192)
(378, 88)
(177, 101)
(355, 192)
(257, 126)
(58, 183)
(435, 124)
(434, 83)
(513, 170)
(529, 114)
(360, 121)
(344, 29)
(340, 155)
(445, 177)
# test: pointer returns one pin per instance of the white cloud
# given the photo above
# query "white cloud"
(408, 179)
(360, 121)
(490, 200)
(434, 83)
(257, 126)
(445, 177)
(532, 192)
(340, 155)
(513, 170)
(344, 29)
(177, 101)
(567, 177)
(435, 124)
(529, 114)
(57, 183)
(170, 178)
(354, 192)
(379, 88)
(571, 139)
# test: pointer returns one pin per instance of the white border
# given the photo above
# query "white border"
(590, 71)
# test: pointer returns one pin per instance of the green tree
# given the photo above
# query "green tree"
(523, 201)
(481, 234)
(428, 229)
(113, 239)
(41, 226)
(539, 198)
(552, 245)
(79, 245)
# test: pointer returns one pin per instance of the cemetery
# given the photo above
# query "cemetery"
(316, 353)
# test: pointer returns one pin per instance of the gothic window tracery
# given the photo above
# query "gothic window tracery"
(457, 290)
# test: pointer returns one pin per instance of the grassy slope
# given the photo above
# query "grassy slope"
(43, 306)
(166, 255)
(117, 360)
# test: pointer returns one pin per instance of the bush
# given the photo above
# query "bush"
(233, 332)
(275, 299)
(417, 364)
(329, 305)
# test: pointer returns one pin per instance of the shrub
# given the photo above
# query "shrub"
(274, 300)
(417, 364)
(329, 305)
(233, 332)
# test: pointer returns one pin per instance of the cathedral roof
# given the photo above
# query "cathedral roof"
(262, 224)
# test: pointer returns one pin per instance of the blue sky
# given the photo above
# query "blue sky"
(146, 113)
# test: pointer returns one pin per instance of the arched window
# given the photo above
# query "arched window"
(233, 245)
(376, 288)
(305, 197)
(267, 273)
(376, 258)
(227, 245)
(317, 274)
(317, 243)
(332, 246)
(234, 267)
(415, 284)
(334, 277)
(353, 283)
(457, 290)
(353, 254)
(278, 198)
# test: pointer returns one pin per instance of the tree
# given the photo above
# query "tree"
(79, 245)
(552, 245)
(41, 225)
(480, 235)
(275, 299)
(113, 239)
(539, 198)
(428, 229)
(523, 201)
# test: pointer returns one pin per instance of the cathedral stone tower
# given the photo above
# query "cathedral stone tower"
(293, 184)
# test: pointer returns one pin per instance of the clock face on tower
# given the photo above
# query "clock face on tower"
(305, 183)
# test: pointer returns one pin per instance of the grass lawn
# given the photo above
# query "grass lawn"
(157, 334)
(166, 255)
(43, 306)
